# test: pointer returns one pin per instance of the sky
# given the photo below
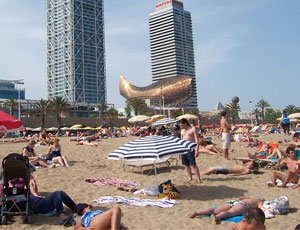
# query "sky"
(248, 48)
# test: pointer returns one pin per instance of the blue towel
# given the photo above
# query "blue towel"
(234, 219)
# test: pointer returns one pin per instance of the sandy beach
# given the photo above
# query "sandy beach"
(92, 162)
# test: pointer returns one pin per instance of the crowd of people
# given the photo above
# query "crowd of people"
(88, 218)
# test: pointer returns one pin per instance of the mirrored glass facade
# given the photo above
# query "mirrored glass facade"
(75, 50)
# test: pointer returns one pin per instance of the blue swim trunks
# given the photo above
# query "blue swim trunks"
(88, 216)
(189, 159)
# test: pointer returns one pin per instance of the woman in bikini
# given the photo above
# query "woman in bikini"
(98, 219)
(54, 154)
(209, 148)
(28, 151)
(230, 209)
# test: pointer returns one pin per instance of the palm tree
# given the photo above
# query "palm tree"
(12, 105)
(136, 104)
(42, 109)
(262, 104)
(232, 110)
(59, 106)
(102, 109)
(256, 112)
(292, 109)
(111, 114)
(128, 109)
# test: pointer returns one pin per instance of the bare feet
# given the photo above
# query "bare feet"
(270, 184)
(227, 158)
(192, 215)
(199, 181)
(214, 219)
(189, 180)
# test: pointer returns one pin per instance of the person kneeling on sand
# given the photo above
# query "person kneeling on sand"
(237, 170)
(230, 209)
(98, 219)
(293, 170)
(254, 218)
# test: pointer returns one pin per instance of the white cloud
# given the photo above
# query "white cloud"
(36, 33)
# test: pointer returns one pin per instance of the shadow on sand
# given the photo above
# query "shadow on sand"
(204, 192)
(226, 178)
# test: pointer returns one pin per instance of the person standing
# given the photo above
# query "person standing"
(188, 160)
(285, 123)
(225, 131)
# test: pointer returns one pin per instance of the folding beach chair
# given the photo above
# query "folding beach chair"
(149, 163)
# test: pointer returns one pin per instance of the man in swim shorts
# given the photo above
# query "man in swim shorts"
(236, 170)
(225, 130)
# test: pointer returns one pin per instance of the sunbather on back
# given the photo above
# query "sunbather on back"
(236, 170)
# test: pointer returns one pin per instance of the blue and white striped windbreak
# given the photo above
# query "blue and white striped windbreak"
(164, 121)
(152, 147)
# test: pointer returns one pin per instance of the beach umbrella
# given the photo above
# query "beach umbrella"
(294, 120)
(188, 117)
(28, 128)
(88, 128)
(164, 121)
(152, 148)
(138, 118)
(65, 128)
(294, 116)
(9, 123)
(78, 126)
(52, 129)
(155, 118)
(98, 128)
(38, 129)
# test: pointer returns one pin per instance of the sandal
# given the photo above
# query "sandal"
(67, 222)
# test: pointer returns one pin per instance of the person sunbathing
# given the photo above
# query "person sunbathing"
(98, 219)
(44, 138)
(205, 147)
(264, 152)
(54, 201)
(28, 152)
(54, 154)
(230, 209)
(293, 166)
(253, 218)
(237, 170)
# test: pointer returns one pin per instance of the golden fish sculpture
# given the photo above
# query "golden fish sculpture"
(172, 89)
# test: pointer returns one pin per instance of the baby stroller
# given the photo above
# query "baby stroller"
(15, 199)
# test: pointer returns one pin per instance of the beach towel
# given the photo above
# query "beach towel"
(131, 201)
(278, 206)
(234, 219)
(279, 183)
(113, 181)
(148, 191)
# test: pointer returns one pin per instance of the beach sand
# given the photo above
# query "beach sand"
(216, 189)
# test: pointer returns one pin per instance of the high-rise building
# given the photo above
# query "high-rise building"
(75, 51)
(172, 48)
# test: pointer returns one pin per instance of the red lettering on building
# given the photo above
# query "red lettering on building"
(158, 5)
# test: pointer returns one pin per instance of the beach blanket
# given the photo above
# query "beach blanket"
(234, 219)
(113, 181)
(131, 201)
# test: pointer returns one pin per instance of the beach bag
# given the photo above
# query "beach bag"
(167, 189)
(278, 206)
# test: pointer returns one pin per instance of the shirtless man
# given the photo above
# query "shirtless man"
(293, 169)
(44, 137)
(188, 160)
(225, 130)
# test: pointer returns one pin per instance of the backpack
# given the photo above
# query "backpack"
(167, 189)
(278, 206)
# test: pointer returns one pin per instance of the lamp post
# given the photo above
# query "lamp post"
(250, 103)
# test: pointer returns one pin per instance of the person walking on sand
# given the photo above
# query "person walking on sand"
(225, 131)
(188, 160)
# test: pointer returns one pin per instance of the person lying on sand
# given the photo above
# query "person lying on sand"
(236, 170)
(253, 218)
(54, 202)
(293, 166)
(230, 209)
(98, 219)
(205, 147)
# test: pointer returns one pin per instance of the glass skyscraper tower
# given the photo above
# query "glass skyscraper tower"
(172, 48)
(75, 51)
